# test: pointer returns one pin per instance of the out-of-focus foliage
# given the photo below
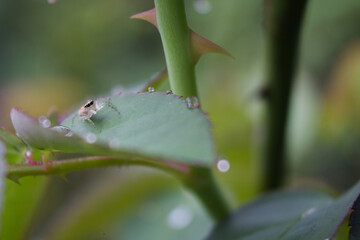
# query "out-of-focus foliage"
(57, 55)
(288, 215)
(20, 205)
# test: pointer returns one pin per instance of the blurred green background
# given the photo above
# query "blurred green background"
(59, 55)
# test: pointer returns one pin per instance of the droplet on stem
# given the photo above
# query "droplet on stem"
(29, 159)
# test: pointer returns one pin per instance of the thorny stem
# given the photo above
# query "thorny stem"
(174, 32)
(283, 31)
(62, 167)
(175, 37)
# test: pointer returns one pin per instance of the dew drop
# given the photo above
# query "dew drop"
(28, 154)
(192, 102)
(51, 1)
(114, 143)
(202, 6)
(168, 92)
(179, 217)
(69, 134)
(223, 165)
(308, 212)
(29, 159)
(44, 122)
(63, 131)
(151, 89)
(90, 138)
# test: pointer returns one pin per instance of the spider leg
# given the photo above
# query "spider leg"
(112, 106)
(92, 123)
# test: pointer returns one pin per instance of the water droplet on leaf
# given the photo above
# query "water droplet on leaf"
(69, 134)
(44, 122)
(180, 217)
(223, 165)
(63, 130)
(308, 212)
(202, 6)
(192, 102)
(151, 90)
(51, 1)
(90, 138)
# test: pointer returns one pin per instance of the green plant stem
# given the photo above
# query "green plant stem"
(174, 32)
(175, 37)
(203, 184)
(284, 27)
(62, 167)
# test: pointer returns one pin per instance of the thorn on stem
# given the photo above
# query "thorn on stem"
(14, 179)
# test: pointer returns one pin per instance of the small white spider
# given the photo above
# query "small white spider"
(92, 107)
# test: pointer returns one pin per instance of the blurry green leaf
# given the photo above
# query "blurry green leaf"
(104, 205)
(15, 148)
(9, 138)
(288, 215)
(147, 125)
(170, 215)
(19, 205)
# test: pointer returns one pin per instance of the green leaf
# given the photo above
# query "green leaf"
(288, 215)
(153, 126)
(15, 148)
(20, 203)
(106, 204)
(169, 215)
(9, 138)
